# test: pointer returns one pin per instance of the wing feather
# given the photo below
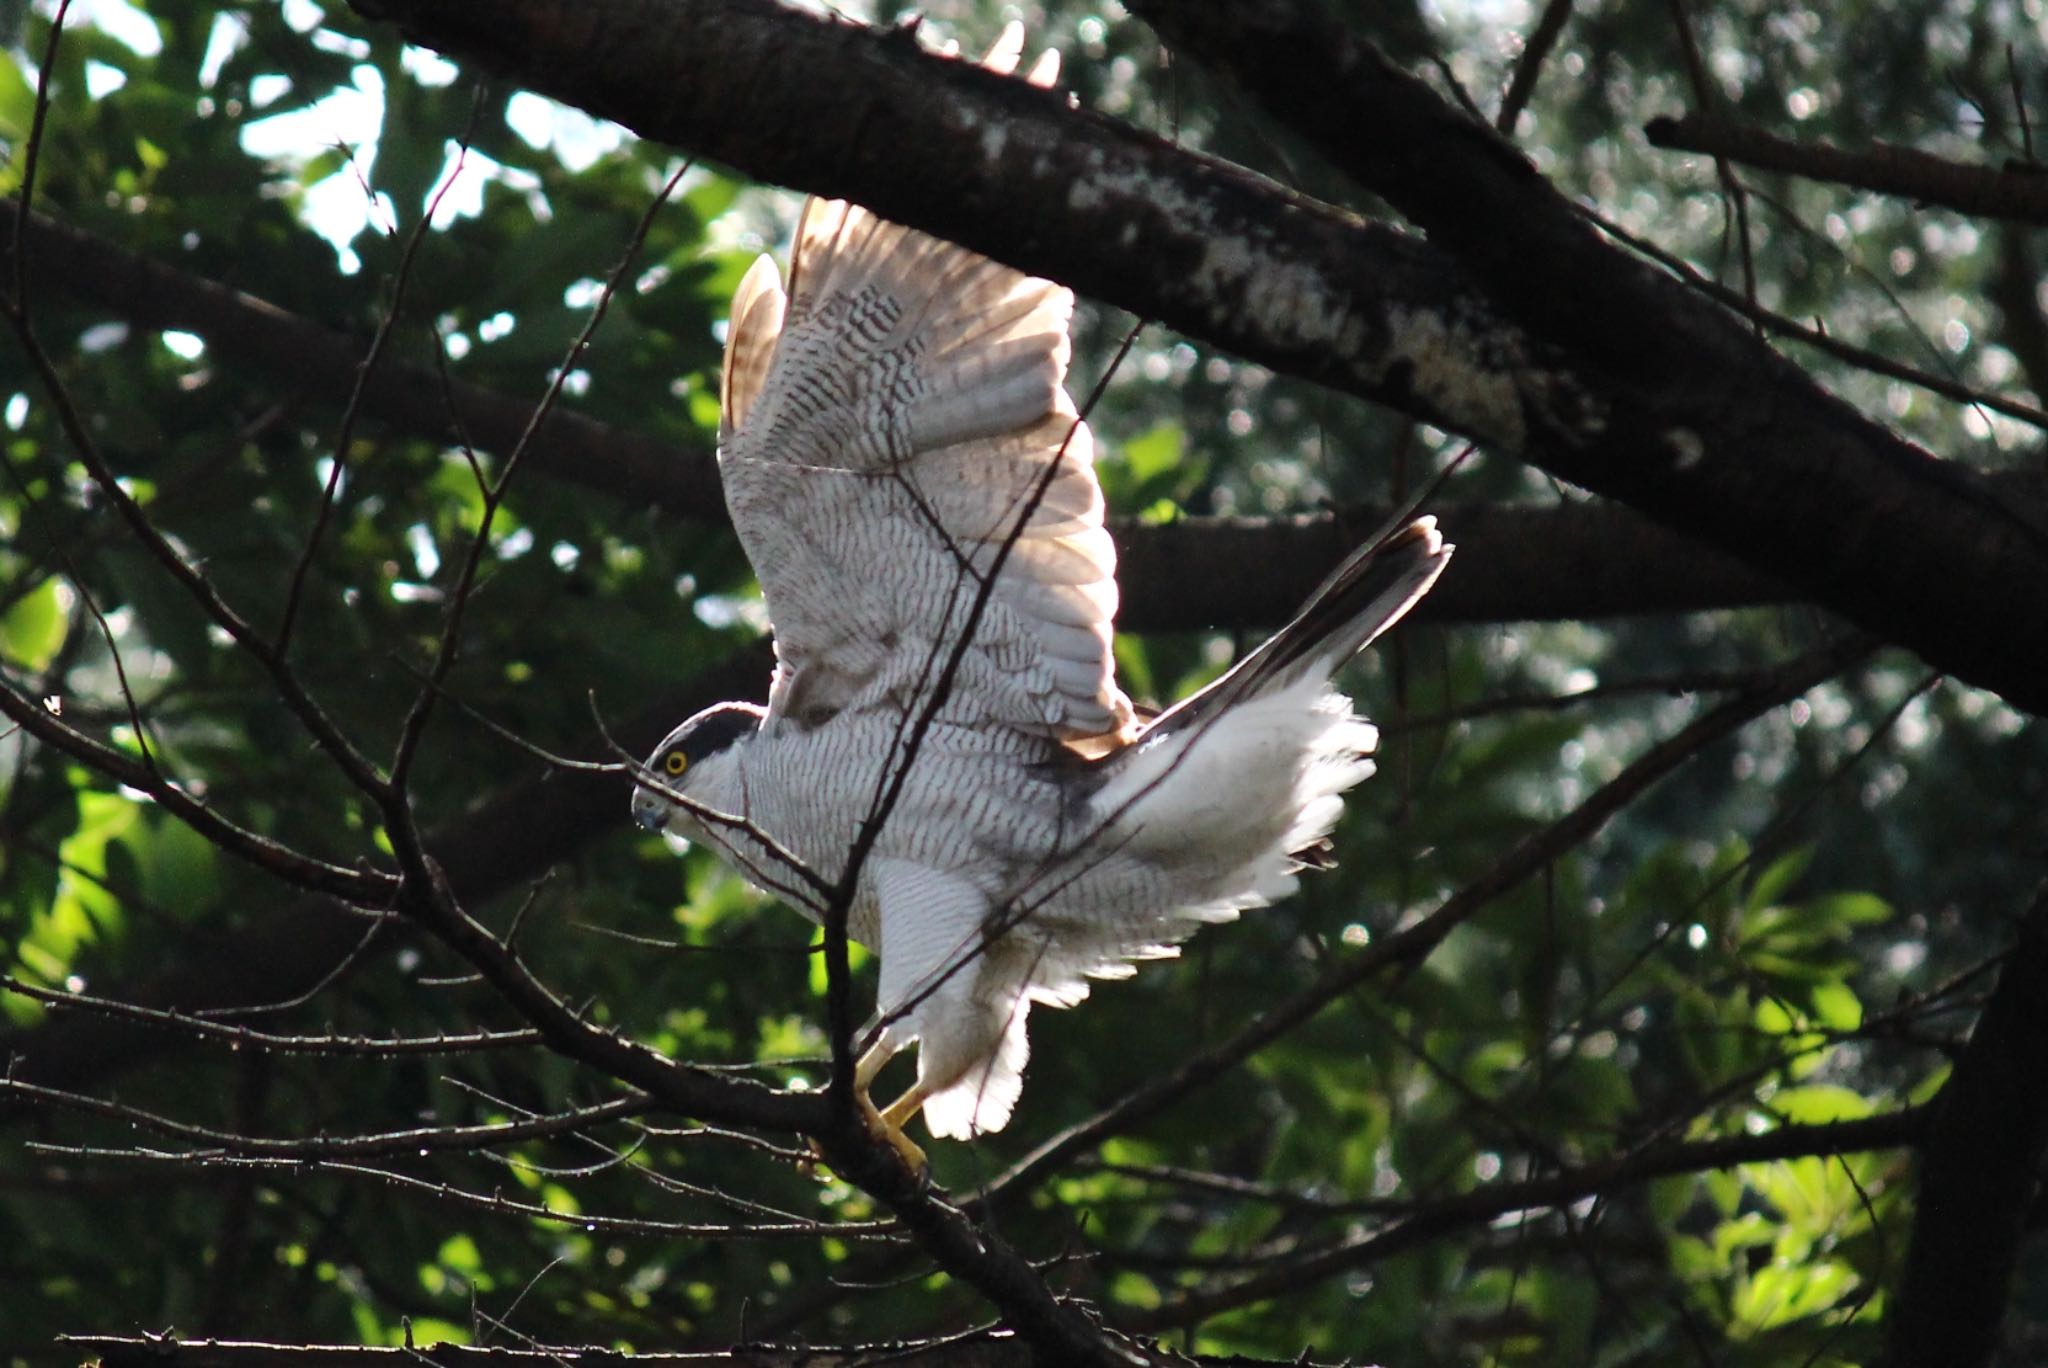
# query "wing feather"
(757, 308)
(891, 424)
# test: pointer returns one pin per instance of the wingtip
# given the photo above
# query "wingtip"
(1007, 50)
(1422, 529)
(751, 331)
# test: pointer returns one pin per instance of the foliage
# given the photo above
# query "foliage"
(1790, 931)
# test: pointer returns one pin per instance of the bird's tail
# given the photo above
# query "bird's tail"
(1371, 591)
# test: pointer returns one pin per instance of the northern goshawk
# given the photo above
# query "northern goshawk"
(916, 491)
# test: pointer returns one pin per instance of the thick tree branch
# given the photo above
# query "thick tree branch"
(1610, 375)
(1566, 561)
(1980, 1173)
(306, 357)
(2018, 192)
(1518, 564)
(2010, 289)
(1756, 459)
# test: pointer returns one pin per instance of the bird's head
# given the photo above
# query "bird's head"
(681, 762)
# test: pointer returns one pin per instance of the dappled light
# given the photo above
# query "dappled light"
(1673, 993)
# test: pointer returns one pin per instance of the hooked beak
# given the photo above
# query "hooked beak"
(651, 810)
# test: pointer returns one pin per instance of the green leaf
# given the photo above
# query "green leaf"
(1156, 452)
(857, 957)
(1783, 872)
(1819, 1104)
(33, 630)
(1782, 1293)
(17, 110)
(1837, 1006)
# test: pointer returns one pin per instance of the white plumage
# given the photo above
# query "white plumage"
(890, 426)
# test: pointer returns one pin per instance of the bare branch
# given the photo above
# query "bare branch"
(344, 438)
(363, 887)
(1422, 1220)
(1529, 65)
(2018, 192)
(422, 1140)
(982, 1349)
(515, 836)
(188, 576)
(245, 1037)
(1863, 358)
(1703, 93)
(17, 302)
(1979, 1172)
(492, 1203)
(416, 719)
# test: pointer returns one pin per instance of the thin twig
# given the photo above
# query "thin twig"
(418, 1141)
(1529, 65)
(246, 1037)
(337, 465)
(1704, 96)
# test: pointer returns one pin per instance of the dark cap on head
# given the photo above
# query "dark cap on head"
(706, 734)
(689, 745)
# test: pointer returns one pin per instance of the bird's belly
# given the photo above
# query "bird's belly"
(971, 803)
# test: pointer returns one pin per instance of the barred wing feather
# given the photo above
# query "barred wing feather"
(891, 424)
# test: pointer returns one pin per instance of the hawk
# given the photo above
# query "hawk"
(916, 492)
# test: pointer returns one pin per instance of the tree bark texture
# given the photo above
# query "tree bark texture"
(1980, 1173)
(1514, 324)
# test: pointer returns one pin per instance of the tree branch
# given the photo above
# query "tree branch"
(1549, 342)
(1573, 561)
(1755, 458)
(306, 357)
(988, 1349)
(1979, 1172)
(1529, 65)
(2018, 192)
(976, 1349)
(1605, 1177)
(510, 840)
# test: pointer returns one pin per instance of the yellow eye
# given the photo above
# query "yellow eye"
(676, 763)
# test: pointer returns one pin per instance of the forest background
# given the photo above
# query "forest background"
(1676, 998)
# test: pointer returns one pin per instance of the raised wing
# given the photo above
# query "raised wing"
(891, 424)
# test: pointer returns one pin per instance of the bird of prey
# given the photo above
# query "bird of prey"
(916, 492)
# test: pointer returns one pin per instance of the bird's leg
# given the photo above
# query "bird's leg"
(887, 1125)
(869, 1064)
(904, 1107)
